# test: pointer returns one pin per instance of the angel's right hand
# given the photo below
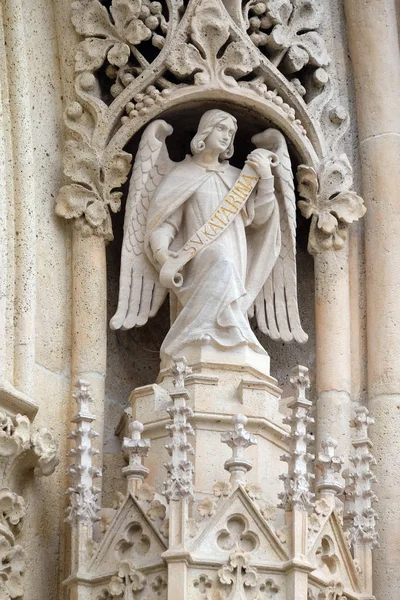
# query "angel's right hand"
(163, 254)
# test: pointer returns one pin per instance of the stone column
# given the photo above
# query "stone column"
(89, 318)
(332, 315)
(24, 198)
(374, 51)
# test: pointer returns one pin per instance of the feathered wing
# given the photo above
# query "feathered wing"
(276, 306)
(140, 292)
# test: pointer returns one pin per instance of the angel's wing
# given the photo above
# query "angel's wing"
(276, 305)
(140, 292)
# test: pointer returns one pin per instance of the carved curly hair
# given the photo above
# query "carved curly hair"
(208, 121)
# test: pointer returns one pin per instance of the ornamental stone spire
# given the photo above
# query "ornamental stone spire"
(297, 493)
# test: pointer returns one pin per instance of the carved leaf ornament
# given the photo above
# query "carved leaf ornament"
(87, 199)
(208, 33)
(287, 31)
(327, 198)
(111, 35)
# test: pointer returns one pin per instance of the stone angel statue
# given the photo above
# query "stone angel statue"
(221, 242)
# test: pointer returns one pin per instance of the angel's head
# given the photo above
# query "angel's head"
(216, 131)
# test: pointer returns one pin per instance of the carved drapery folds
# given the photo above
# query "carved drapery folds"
(138, 58)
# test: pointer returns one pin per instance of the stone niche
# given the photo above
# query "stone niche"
(133, 355)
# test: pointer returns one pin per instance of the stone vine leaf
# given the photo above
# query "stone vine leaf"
(156, 511)
(14, 435)
(92, 194)
(328, 200)
(46, 451)
(209, 32)
(12, 560)
(12, 507)
(287, 31)
(105, 39)
(12, 564)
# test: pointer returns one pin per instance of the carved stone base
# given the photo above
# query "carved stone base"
(216, 393)
(199, 356)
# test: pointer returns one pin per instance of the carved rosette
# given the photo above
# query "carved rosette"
(139, 58)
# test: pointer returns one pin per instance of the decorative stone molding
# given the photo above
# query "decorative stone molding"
(238, 440)
(329, 201)
(83, 508)
(359, 515)
(179, 482)
(297, 493)
(330, 467)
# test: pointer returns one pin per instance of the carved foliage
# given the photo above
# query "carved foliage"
(12, 562)
(91, 196)
(112, 36)
(287, 32)
(328, 199)
(203, 54)
(16, 437)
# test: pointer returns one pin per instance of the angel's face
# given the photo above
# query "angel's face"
(221, 136)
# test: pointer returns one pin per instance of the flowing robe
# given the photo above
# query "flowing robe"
(222, 281)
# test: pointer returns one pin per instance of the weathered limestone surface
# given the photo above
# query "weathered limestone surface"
(207, 525)
(377, 80)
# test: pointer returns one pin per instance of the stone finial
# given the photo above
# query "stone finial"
(83, 507)
(297, 480)
(359, 516)
(330, 466)
(238, 440)
(179, 482)
(300, 381)
(136, 449)
(180, 372)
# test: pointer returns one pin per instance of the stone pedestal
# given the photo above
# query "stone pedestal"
(216, 393)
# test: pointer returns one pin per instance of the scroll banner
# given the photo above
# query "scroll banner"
(222, 217)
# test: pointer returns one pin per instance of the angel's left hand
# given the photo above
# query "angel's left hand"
(260, 163)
